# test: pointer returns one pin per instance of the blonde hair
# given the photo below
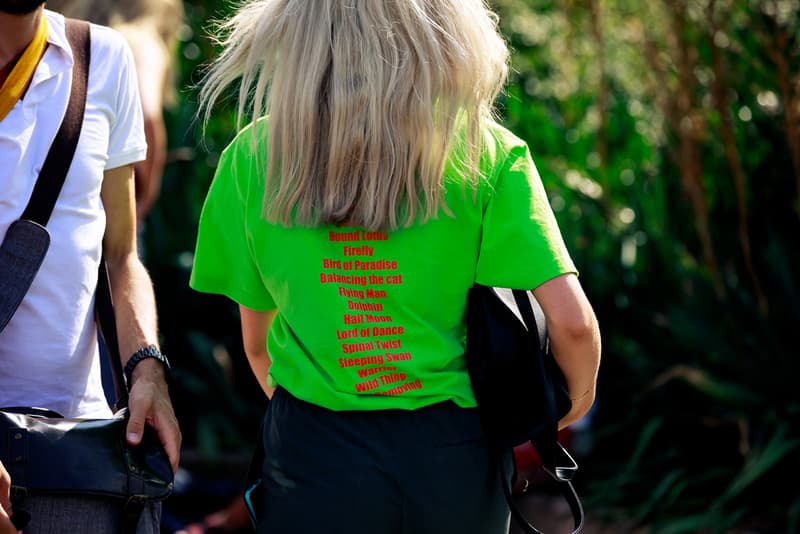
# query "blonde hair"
(363, 98)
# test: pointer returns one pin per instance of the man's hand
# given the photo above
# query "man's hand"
(149, 403)
(6, 527)
(5, 489)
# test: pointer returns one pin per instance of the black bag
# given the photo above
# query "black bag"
(520, 390)
(44, 453)
(47, 454)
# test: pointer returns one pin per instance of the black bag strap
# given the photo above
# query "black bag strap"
(107, 325)
(59, 158)
(567, 490)
(546, 443)
(549, 449)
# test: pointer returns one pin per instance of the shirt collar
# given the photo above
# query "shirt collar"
(58, 56)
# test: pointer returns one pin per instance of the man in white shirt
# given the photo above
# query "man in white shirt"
(49, 350)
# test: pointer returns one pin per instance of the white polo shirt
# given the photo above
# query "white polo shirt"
(49, 351)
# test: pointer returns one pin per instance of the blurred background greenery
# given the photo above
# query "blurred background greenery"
(667, 133)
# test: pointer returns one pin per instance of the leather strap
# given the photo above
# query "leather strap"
(107, 324)
(545, 445)
(567, 491)
(131, 512)
(59, 158)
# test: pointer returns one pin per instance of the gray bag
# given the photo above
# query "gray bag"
(21, 254)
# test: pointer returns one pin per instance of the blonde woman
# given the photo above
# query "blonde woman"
(368, 192)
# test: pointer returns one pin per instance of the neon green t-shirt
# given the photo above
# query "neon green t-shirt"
(376, 320)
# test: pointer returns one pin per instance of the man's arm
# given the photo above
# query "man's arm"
(135, 310)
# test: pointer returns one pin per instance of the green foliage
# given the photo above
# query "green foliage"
(662, 133)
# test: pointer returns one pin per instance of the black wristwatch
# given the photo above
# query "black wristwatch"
(150, 351)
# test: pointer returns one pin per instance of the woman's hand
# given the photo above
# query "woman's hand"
(580, 407)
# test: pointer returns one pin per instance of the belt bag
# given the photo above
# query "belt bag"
(46, 454)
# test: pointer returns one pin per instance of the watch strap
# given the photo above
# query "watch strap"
(150, 351)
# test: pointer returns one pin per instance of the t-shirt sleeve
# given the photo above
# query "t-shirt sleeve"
(521, 244)
(126, 143)
(223, 260)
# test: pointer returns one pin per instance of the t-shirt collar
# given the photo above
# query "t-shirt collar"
(58, 56)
